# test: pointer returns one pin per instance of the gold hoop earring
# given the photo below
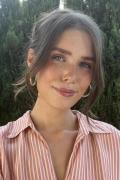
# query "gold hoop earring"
(32, 83)
(86, 95)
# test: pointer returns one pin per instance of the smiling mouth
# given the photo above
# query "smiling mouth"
(65, 93)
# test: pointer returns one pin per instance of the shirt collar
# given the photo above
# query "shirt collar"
(89, 125)
(20, 125)
(85, 125)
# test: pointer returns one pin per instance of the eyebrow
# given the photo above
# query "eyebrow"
(64, 51)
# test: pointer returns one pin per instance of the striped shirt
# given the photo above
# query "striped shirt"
(25, 156)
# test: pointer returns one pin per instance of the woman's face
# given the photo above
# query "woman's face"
(70, 66)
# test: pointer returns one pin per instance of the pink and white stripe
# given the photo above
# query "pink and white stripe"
(25, 155)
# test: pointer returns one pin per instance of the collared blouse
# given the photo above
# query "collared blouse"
(25, 155)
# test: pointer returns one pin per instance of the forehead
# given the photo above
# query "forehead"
(77, 41)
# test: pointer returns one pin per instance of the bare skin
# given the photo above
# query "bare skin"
(61, 147)
(57, 140)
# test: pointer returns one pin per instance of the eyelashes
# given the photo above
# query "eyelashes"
(58, 57)
(83, 64)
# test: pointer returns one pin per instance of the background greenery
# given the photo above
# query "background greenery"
(15, 26)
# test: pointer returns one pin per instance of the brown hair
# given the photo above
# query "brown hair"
(46, 32)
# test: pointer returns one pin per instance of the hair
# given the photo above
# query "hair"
(46, 32)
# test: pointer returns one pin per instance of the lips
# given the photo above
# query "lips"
(65, 92)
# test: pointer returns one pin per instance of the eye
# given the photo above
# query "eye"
(85, 65)
(58, 57)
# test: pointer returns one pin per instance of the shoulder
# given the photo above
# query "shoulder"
(101, 125)
(13, 128)
(106, 134)
(97, 127)
(4, 130)
(108, 140)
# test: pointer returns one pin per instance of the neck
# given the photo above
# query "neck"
(47, 118)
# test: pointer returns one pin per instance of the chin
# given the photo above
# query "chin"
(63, 106)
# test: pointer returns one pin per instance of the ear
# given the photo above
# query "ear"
(30, 57)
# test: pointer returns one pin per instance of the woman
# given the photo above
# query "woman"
(51, 141)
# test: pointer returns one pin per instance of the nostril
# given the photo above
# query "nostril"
(70, 77)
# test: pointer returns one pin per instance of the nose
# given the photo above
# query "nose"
(70, 73)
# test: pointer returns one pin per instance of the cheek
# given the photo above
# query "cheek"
(52, 73)
(84, 83)
(49, 73)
